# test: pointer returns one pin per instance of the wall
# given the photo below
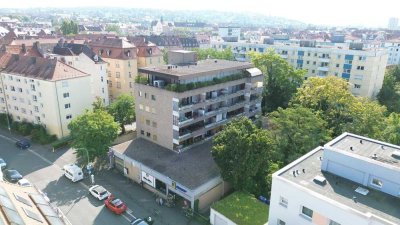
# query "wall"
(212, 195)
(217, 218)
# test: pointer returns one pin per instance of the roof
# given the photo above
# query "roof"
(111, 43)
(38, 68)
(179, 167)
(69, 49)
(201, 68)
(366, 147)
(339, 189)
(113, 48)
(25, 206)
(242, 208)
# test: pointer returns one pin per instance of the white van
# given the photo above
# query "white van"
(73, 172)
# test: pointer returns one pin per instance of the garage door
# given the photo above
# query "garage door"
(346, 172)
(219, 221)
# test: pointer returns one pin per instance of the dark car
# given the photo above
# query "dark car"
(146, 221)
(23, 144)
(12, 176)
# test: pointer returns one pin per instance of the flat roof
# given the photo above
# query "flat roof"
(191, 168)
(340, 189)
(202, 67)
(366, 147)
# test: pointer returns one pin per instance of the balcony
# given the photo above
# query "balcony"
(324, 60)
(284, 56)
(323, 68)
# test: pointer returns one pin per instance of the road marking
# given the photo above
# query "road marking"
(43, 158)
(10, 139)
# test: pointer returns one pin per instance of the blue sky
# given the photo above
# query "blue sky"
(332, 12)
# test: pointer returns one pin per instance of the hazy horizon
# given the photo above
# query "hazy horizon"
(340, 13)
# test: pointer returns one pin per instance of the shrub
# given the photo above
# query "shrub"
(3, 120)
(40, 135)
(62, 142)
(25, 128)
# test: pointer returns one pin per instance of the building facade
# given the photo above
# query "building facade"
(43, 91)
(351, 180)
(364, 69)
(393, 48)
(148, 54)
(81, 57)
(121, 58)
(230, 34)
(191, 115)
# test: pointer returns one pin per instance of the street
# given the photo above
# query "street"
(43, 168)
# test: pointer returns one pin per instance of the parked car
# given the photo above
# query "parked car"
(23, 144)
(147, 221)
(73, 172)
(12, 176)
(99, 192)
(3, 164)
(24, 183)
(115, 205)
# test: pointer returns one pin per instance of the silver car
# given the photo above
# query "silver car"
(99, 192)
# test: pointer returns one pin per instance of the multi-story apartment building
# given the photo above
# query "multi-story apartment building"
(197, 98)
(351, 180)
(81, 57)
(121, 59)
(43, 91)
(393, 48)
(363, 68)
(148, 54)
(229, 33)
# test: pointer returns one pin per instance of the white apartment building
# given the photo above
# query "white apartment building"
(229, 33)
(81, 57)
(364, 69)
(393, 48)
(352, 180)
(43, 91)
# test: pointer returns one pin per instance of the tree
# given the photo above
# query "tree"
(205, 53)
(98, 104)
(92, 133)
(114, 28)
(69, 27)
(244, 152)
(123, 110)
(281, 80)
(297, 131)
(367, 118)
(328, 96)
(389, 94)
(391, 133)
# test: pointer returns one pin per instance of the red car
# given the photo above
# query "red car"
(115, 205)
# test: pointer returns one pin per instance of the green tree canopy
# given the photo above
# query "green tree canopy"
(244, 152)
(297, 131)
(281, 80)
(114, 28)
(98, 104)
(391, 133)
(329, 96)
(204, 53)
(69, 27)
(123, 110)
(93, 133)
(389, 95)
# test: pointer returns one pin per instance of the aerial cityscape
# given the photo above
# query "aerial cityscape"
(199, 113)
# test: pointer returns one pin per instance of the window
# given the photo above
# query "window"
(357, 86)
(347, 61)
(117, 75)
(118, 84)
(306, 212)
(130, 85)
(148, 122)
(102, 79)
(153, 97)
(16, 108)
(69, 116)
(283, 201)
(37, 119)
(36, 108)
(109, 73)
(116, 65)
(129, 63)
(12, 88)
(147, 109)
(281, 222)
(68, 105)
(23, 110)
(360, 67)
(142, 132)
(154, 124)
(377, 183)
(140, 94)
(145, 95)
(337, 65)
(148, 134)
(314, 63)
(362, 58)
(331, 222)
(18, 80)
(130, 75)
(34, 97)
(20, 90)
(141, 106)
(110, 83)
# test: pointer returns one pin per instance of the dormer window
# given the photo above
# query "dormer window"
(109, 52)
(128, 53)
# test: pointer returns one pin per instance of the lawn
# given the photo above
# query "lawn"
(243, 209)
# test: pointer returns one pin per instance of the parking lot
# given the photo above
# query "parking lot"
(43, 168)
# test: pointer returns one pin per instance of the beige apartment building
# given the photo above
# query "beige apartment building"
(43, 91)
(364, 68)
(179, 107)
(148, 54)
(121, 58)
(177, 119)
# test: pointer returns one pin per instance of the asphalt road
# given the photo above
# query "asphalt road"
(42, 167)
